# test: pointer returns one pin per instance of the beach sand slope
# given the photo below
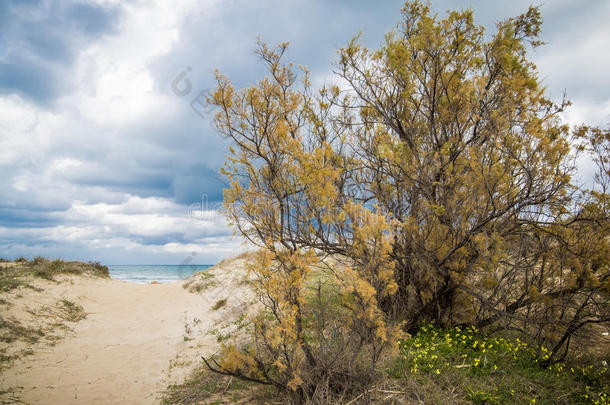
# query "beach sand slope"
(134, 341)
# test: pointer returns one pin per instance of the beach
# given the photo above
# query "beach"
(135, 340)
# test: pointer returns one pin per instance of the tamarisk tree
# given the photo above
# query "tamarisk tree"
(431, 182)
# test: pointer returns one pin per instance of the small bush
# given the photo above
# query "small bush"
(319, 337)
(99, 269)
(39, 260)
(219, 304)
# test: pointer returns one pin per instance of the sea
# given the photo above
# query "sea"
(162, 273)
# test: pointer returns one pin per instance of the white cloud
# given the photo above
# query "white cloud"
(116, 84)
(588, 113)
(65, 164)
(17, 115)
(110, 169)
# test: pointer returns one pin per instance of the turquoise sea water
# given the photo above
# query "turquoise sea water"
(162, 273)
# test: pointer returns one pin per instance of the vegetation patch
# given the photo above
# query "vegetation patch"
(13, 331)
(219, 304)
(462, 365)
(71, 311)
(11, 395)
(26, 324)
(19, 273)
(200, 282)
(435, 185)
(209, 388)
(458, 365)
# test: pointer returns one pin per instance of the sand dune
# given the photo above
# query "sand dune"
(134, 341)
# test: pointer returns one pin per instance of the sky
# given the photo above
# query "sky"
(105, 152)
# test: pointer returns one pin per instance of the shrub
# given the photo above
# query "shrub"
(319, 337)
(219, 304)
(99, 269)
(439, 175)
(39, 260)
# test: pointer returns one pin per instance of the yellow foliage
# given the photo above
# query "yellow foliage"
(435, 187)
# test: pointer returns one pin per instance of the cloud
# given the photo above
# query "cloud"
(154, 226)
(41, 41)
(101, 160)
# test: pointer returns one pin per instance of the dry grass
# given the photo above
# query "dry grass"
(200, 282)
(18, 339)
(71, 311)
(219, 304)
(19, 273)
(25, 325)
(204, 387)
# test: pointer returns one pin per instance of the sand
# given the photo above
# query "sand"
(135, 340)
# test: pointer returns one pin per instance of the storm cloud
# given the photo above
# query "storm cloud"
(102, 160)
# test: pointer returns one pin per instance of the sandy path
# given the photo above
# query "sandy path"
(119, 354)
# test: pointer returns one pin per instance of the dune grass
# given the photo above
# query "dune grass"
(71, 311)
(43, 324)
(219, 304)
(21, 271)
(205, 387)
(12, 330)
(200, 281)
(47, 325)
